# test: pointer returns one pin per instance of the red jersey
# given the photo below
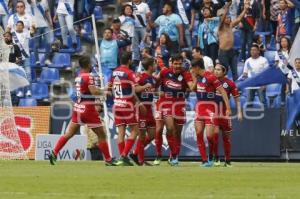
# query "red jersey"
(143, 79)
(174, 85)
(230, 88)
(123, 81)
(207, 86)
(82, 83)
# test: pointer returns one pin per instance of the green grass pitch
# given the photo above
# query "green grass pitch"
(92, 180)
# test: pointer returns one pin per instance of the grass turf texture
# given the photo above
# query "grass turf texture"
(92, 180)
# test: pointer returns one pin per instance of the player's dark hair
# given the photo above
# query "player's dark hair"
(84, 61)
(147, 62)
(125, 57)
(223, 67)
(21, 22)
(198, 63)
(177, 57)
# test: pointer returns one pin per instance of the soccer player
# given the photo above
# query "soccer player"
(124, 87)
(146, 122)
(206, 108)
(84, 112)
(224, 122)
(174, 83)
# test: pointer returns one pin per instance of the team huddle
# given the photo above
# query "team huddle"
(151, 100)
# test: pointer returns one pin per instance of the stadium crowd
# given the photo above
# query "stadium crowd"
(187, 40)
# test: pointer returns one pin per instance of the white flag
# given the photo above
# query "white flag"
(295, 50)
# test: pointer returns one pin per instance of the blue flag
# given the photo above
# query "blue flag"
(293, 108)
(271, 75)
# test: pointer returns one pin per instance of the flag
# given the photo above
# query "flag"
(295, 50)
(16, 75)
(271, 75)
(292, 108)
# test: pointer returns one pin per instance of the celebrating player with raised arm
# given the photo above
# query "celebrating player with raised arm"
(206, 108)
(124, 87)
(223, 121)
(174, 83)
(85, 113)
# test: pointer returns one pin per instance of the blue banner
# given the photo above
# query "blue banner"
(271, 75)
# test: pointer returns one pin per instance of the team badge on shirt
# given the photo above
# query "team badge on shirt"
(225, 85)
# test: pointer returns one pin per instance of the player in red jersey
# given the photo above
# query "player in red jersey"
(174, 83)
(146, 122)
(85, 113)
(224, 122)
(124, 86)
(206, 108)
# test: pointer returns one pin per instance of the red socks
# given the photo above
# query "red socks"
(129, 144)
(158, 143)
(172, 144)
(59, 144)
(201, 147)
(103, 147)
(178, 144)
(216, 145)
(121, 146)
(227, 146)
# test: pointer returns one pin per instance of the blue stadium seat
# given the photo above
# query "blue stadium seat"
(240, 68)
(70, 49)
(39, 90)
(88, 31)
(270, 55)
(272, 45)
(237, 40)
(98, 13)
(49, 75)
(273, 92)
(42, 58)
(61, 60)
(27, 102)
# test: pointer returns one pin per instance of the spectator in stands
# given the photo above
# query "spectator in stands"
(274, 12)
(253, 66)
(208, 62)
(297, 18)
(65, 15)
(118, 33)
(127, 20)
(109, 48)
(15, 55)
(162, 51)
(198, 6)
(21, 38)
(258, 40)
(171, 24)
(41, 14)
(294, 77)
(4, 13)
(281, 60)
(145, 53)
(248, 25)
(142, 15)
(207, 34)
(180, 10)
(20, 15)
(227, 54)
(187, 57)
(284, 19)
